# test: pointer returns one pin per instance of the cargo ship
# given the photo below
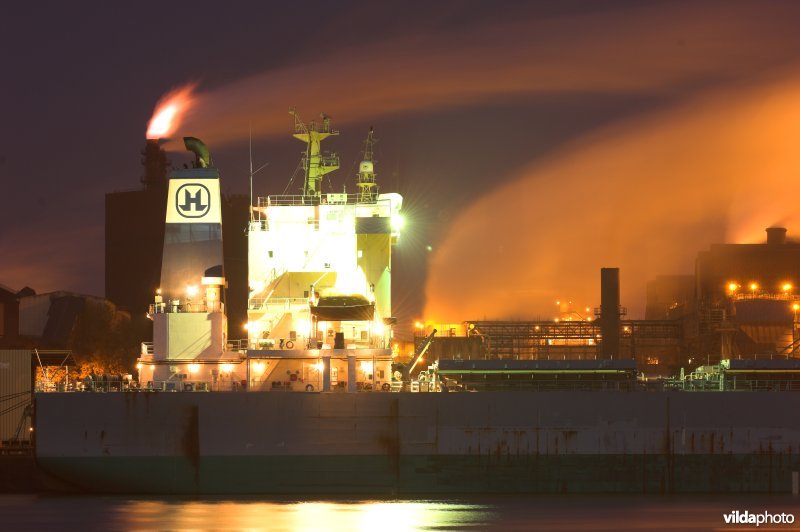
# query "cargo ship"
(314, 402)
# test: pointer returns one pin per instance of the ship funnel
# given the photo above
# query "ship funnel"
(776, 235)
(196, 146)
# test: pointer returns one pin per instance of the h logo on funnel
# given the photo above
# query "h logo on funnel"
(193, 200)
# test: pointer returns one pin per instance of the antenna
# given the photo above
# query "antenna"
(252, 173)
(250, 131)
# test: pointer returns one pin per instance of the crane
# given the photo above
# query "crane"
(406, 369)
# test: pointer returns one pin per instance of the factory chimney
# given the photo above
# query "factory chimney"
(154, 160)
(776, 235)
(609, 313)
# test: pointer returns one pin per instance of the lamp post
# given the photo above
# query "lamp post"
(753, 289)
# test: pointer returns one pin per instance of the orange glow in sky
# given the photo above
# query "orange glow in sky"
(645, 195)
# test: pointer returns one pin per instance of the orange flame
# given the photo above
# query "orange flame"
(169, 111)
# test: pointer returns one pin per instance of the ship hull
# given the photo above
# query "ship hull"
(391, 444)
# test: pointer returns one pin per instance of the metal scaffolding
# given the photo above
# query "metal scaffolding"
(575, 340)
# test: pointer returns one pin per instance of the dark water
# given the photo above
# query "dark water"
(36, 512)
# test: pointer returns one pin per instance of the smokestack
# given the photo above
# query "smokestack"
(776, 235)
(609, 312)
(154, 160)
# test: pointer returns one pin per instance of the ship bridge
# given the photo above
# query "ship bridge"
(320, 276)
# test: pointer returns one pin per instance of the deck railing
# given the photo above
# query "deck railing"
(188, 306)
(114, 384)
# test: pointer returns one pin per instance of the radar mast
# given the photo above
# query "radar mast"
(315, 163)
(367, 188)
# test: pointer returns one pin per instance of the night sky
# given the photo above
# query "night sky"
(534, 142)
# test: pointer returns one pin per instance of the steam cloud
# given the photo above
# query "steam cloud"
(645, 196)
(654, 48)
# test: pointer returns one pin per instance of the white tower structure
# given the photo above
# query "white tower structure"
(188, 313)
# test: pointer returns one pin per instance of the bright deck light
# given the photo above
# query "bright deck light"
(397, 222)
(303, 327)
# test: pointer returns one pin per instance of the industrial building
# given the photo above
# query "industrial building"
(741, 303)
(9, 316)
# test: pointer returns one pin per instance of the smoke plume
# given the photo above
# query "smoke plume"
(661, 48)
(645, 196)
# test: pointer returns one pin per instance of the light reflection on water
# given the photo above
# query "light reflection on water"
(603, 512)
(304, 516)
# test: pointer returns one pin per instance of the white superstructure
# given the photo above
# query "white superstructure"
(320, 280)
(301, 256)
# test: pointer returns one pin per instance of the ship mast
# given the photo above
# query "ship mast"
(367, 187)
(315, 163)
